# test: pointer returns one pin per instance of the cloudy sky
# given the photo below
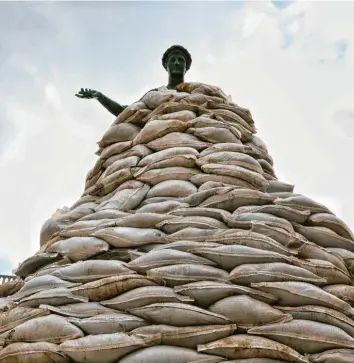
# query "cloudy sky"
(291, 63)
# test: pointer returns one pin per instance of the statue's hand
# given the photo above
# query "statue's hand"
(88, 93)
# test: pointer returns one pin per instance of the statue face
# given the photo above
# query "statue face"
(176, 64)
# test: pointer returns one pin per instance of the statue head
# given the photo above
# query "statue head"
(176, 60)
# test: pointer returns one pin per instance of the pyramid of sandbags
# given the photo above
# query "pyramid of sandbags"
(184, 247)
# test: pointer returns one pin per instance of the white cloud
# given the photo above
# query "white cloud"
(268, 58)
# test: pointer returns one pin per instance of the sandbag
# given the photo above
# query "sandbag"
(333, 356)
(172, 188)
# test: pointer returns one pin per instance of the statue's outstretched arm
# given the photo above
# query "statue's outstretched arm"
(113, 107)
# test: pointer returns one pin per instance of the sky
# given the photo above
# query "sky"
(291, 63)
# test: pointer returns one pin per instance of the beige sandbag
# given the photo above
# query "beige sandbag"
(321, 315)
(231, 158)
(302, 202)
(41, 352)
(325, 237)
(110, 287)
(86, 271)
(54, 297)
(246, 346)
(157, 200)
(237, 198)
(129, 237)
(184, 115)
(79, 310)
(325, 269)
(215, 134)
(174, 275)
(51, 328)
(235, 171)
(342, 291)
(146, 295)
(17, 316)
(332, 222)
(229, 257)
(281, 211)
(165, 257)
(177, 139)
(187, 337)
(6, 304)
(172, 188)
(102, 348)
(178, 314)
(282, 236)
(79, 248)
(249, 312)
(272, 272)
(167, 353)
(138, 150)
(41, 283)
(129, 162)
(115, 149)
(129, 111)
(198, 234)
(333, 356)
(197, 198)
(143, 220)
(292, 293)
(108, 323)
(158, 128)
(153, 99)
(10, 287)
(255, 360)
(155, 176)
(167, 154)
(162, 207)
(306, 336)
(186, 160)
(119, 133)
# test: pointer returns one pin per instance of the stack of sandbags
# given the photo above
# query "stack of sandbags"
(185, 247)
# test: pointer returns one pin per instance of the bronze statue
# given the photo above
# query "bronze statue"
(176, 60)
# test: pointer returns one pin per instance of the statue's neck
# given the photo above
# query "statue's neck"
(174, 81)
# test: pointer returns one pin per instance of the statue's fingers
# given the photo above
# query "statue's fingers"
(80, 96)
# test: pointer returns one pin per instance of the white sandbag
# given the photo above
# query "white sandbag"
(249, 312)
(108, 323)
(333, 356)
(205, 293)
(86, 271)
(51, 328)
(110, 287)
(174, 275)
(179, 223)
(229, 257)
(33, 263)
(187, 337)
(121, 237)
(146, 295)
(41, 352)
(143, 220)
(102, 348)
(178, 314)
(160, 258)
(302, 202)
(79, 248)
(342, 291)
(54, 297)
(321, 315)
(292, 293)
(79, 310)
(247, 346)
(186, 245)
(306, 336)
(272, 272)
(10, 319)
(166, 353)
(41, 283)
